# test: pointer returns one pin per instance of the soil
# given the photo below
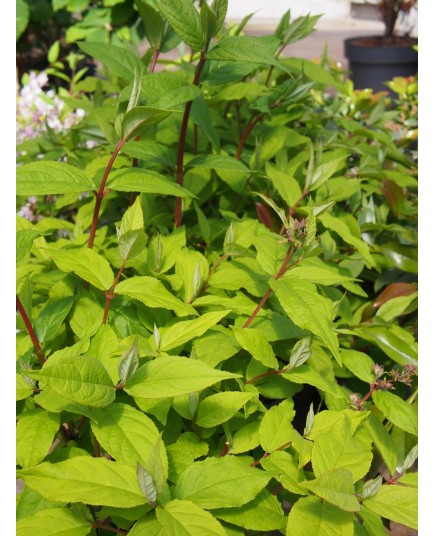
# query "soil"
(395, 41)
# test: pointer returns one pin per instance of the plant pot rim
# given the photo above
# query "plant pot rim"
(382, 54)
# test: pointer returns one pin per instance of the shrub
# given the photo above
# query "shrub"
(221, 340)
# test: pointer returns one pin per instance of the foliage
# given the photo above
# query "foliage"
(217, 298)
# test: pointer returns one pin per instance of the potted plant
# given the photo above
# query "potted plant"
(374, 60)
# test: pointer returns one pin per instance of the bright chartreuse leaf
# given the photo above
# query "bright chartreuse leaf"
(246, 438)
(184, 331)
(308, 310)
(255, 342)
(264, 513)
(128, 362)
(305, 374)
(53, 522)
(225, 482)
(397, 503)
(148, 525)
(219, 408)
(276, 429)
(51, 318)
(173, 376)
(47, 177)
(34, 436)
(24, 242)
(284, 467)
(185, 20)
(397, 411)
(336, 487)
(359, 364)
(140, 118)
(153, 293)
(127, 434)
(285, 184)
(88, 480)
(146, 181)
(185, 518)
(86, 263)
(311, 515)
(80, 379)
(383, 442)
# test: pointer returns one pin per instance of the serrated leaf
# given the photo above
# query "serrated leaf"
(264, 513)
(410, 458)
(311, 515)
(24, 242)
(249, 49)
(246, 438)
(81, 379)
(209, 22)
(276, 429)
(283, 466)
(255, 342)
(397, 503)
(336, 487)
(301, 352)
(119, 60)
(184, 331)
(220, 8)
(140, 118)
(152, 21)
(86, 263)
(53, 522)
(127, 434)
(46, 177)
(147, 485)
(397, 411)
(218, 161)
(371, 487)
(34, 436)
(96, 481)
(308, 310)
(128, 362)
(359, 364)
(383, 442)
(219, 408)
(184, 518)
(148, 525)
(153, 293)
(173, 376)
(131, 244)
(279, 211)
(306, 375)
(185, 20)
(225, 482)
(287, 187)
(51, 318)
(146, 181)
(132, 220)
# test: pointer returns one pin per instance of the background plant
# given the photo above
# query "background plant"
(223, 336)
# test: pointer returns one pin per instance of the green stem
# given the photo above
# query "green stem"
(31, 331)
(182, 138)
(110, 294)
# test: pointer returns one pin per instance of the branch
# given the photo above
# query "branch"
(110, 294)
(31, 332)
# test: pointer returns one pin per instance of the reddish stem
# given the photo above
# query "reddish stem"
(109, 529)
(154, 60)
(110, 294)
(291, 211)
(31, 332)
(372, 388)
(102, 192)
(251, 124)
(213, 269)
(289, 254)
(182, 138)
(270, 70)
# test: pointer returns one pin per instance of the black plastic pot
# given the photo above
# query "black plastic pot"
(372, 61)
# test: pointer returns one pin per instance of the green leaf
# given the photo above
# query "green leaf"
(184, 331)
(148, 525)
(301, 352)
(338, 449)
(119, 60)
(336, 487)
(153, 293)
(219, 408)
(88, 480)
(34, 436)
(264, 513)
(147, 485)
(308, 310)
(53, 522)
(220, 8)
(397, 503)
(246, 438)
(127, 434)
(184, 518)
(51, 318)
(209, 22)
(46, 177)
(255, 342)
(152, 21)
(86, 263)
(304, 374)
(146, 181)
(359, 364)
(140, 118)
(22, 16)
(311, 515)
(81, 379)
(402, 257)
(225, 482)
(129, 362)
(279, 211)
(397, 411)
(247, 49)
(322, 173)
(131, 244)
(218, 161)
(276, 429)
(24, 242)
(339, 226)
(185, 20)
(383, 441)
(283, 466)
(285, 184)
(172, 376)
(192, 269)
